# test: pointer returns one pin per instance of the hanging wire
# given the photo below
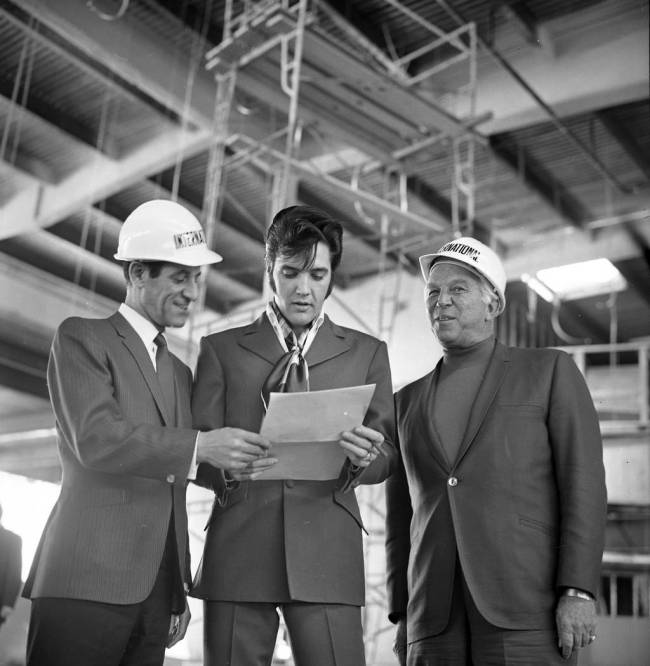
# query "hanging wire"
(88, 214)
(23, 100)
(196, 57)
(124, 5)
(16, 89)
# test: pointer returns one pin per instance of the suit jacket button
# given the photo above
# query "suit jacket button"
(290, 483)
(452, 481)
(171, 478)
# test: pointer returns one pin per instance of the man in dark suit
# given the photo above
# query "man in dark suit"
(496, 515)
(109, 579)
(290, 544)
(10, 570)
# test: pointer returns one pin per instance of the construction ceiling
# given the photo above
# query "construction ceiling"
(523, 122)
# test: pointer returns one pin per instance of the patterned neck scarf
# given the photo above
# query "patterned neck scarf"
(291, 372)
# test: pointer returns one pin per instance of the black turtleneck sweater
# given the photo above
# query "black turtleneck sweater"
(460, 375)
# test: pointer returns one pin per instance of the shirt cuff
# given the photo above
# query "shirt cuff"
(580, 594)
(191, 474)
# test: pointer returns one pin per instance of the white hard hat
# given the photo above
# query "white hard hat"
(162, 230)
(474, 255)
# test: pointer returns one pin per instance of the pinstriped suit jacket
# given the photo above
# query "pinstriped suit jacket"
(123, 466)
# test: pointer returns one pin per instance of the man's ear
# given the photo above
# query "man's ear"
(493, 309)
(137, 272)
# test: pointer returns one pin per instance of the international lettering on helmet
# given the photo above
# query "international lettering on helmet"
(476, 256)
(162, 230)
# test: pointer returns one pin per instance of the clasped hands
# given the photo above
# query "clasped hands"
(246, 455)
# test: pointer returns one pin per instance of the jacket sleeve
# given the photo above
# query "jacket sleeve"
(208, 411)
(578, 457)
(92, 423)
(381, 417)
(398, 541)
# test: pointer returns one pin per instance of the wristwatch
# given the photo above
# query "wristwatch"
(581, 594)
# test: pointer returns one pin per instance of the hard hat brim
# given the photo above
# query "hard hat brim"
(193, 256)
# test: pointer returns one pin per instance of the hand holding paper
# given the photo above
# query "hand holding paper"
(362, 445)
(305, 430)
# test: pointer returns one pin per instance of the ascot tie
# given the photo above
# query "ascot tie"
(290, 374)
(165, 372)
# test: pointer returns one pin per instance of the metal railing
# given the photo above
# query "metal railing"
(617, 376)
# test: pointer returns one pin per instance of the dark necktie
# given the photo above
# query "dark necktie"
(289, 374)
(165, 372)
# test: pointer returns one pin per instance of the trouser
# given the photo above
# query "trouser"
(77, 632)
(470, 640)
(244, 634)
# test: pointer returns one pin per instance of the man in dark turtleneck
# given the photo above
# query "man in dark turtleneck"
(496, 515)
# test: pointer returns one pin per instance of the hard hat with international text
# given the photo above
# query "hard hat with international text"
(163, 230)
(475, 256)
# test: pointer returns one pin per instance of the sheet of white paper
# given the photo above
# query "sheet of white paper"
(304, 429)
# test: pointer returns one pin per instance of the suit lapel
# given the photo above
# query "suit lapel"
(494, 375)
(260, 339)
(330, 341)
(131, 340)
(433, 439)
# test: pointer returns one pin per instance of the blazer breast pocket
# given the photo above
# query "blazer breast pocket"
(522, 410)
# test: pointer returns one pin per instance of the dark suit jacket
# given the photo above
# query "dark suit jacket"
(524, 505)
(294, 540)
(123, 469)
(10, 566)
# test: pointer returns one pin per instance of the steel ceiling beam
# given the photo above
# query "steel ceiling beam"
(567, 246)
(627, 141)
(539, 181)
(559, 124)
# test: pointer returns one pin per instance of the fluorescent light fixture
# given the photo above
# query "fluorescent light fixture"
(584, 279)
(538, 287)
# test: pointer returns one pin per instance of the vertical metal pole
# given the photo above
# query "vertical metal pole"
(212, 199)
(463, 185)
(291, 61)
(214, 175)
(643, 386)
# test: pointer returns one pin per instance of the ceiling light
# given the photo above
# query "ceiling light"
(583, 279)
(538, 287)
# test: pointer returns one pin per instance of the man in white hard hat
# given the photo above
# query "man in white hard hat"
(108, 582)
(496, 515)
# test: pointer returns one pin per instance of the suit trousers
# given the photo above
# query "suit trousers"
(77, 632)
(244, 634)
(470, 640)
